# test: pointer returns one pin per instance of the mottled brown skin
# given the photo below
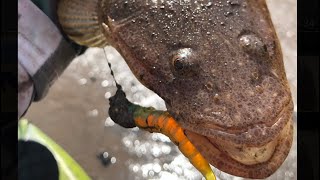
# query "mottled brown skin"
(218, 66)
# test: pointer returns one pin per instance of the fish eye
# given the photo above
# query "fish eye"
(183, 63)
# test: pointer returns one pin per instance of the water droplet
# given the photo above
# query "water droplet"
(107, 95)
(105, 83)
(216, 112)
(156, 151)
(228, 13)
(136, 142)
(135, 168)
(209, 4)
(113, 160)
(151, 173)
(156, 168)
(166, 149)
(82, 81)
(93, 113)
(233, 2)
(108, 122)
(105, 154)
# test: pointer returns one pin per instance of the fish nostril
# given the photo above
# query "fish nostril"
(253, 45)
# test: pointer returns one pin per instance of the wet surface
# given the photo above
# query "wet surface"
(75, 115)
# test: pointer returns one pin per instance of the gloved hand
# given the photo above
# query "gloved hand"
(44, 51)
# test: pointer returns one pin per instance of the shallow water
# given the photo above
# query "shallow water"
(74, 114)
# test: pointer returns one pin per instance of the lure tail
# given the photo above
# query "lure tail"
(161, 121)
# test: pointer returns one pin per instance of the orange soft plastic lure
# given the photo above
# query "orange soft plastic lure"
(128, 115)
(160, 121)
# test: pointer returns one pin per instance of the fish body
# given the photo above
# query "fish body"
(218, 66)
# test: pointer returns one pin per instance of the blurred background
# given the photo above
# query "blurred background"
(75, 115)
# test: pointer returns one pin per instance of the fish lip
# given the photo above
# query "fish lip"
(265, 133)
(222, 160)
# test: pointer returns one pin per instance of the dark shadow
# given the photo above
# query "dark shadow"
(36, 162)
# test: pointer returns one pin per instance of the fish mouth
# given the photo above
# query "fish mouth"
(256, 153)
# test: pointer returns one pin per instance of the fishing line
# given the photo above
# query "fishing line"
(101, 154)
(109, 64)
